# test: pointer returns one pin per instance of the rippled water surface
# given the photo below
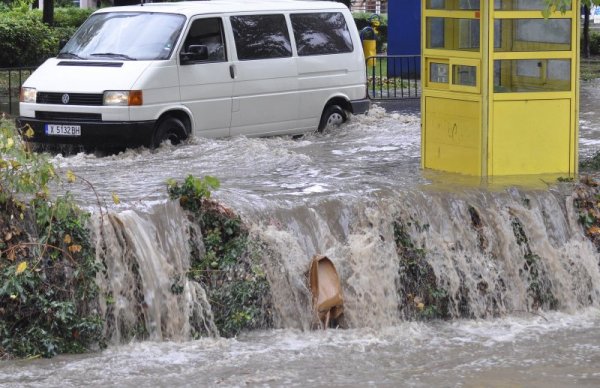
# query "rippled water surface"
(379, 151)
(370, 153)
(556, 350)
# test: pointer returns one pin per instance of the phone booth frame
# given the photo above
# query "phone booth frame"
(500, 87)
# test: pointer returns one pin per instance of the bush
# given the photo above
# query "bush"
(25, 41)
(67, 17)
(48, 289)
(595, 43)
(230, 269)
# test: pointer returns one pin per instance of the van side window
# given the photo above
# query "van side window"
(261, 37)
(321, 33)
(209, 33)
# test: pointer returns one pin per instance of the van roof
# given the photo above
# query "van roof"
(191, 8)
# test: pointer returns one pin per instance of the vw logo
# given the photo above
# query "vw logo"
(65, 98)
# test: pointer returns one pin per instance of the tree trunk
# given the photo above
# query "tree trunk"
(586, 31)
(48, 14)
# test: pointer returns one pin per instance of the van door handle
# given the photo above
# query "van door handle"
(232, 71)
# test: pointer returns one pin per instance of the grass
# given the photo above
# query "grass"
(590, 68)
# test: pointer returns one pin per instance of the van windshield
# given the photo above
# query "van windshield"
(125, 36)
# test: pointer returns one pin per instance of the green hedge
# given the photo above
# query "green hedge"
(26, 41)
(595, 43)
(67, 17)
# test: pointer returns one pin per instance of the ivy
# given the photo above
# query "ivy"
(229, 269)
(422, 298)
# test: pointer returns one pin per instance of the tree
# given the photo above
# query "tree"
(561, 5)
(587, 6)
(48, 14)
(586, 31)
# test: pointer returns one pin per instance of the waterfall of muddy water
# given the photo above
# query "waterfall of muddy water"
(526, 251)
(512, 260)
(492, 254)
(145, 288)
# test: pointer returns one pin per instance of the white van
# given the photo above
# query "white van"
(138, 75)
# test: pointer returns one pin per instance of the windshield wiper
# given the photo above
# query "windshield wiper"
(113, 55)
(68, 54)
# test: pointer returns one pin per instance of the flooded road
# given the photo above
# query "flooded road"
(370, 153)
(558, 350)
(589, 118)
(375, 152)
(313, 187)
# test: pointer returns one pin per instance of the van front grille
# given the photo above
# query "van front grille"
(69, 98)
(67, 116)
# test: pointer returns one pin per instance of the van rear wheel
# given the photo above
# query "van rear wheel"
(333, 116)
(171, 129)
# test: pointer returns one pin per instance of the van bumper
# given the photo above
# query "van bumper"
(360, 106)
(95, 134)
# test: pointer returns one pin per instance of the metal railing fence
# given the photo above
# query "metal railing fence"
(372, 6)
(393, 77)
(11, 80)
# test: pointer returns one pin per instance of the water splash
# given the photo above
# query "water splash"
(146, 292)
(481, 254)
(492, 254)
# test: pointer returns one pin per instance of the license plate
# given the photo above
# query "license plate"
(63, 130)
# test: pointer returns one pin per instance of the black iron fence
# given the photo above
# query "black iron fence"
(11, 80)
(392, 77)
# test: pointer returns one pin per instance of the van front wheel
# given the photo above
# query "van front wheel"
(171, 129)
(333, 116)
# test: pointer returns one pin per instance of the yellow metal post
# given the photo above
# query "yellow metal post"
(500, 87)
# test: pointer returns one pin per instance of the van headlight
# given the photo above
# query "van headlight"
(122, 98)
(28, 95)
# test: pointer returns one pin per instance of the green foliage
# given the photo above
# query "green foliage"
(559, 5)
(591, 163)
(587, 201)
(22, 6)
(26, 41)
(229, 268)
(193, 190)
(539, 287)
(595, 43)
(237, 297)
(21, 171)
(71, 17)
(47, 263)
(423, 299)
(563, 5)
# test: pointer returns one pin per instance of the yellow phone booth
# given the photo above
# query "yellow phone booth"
(500, 87)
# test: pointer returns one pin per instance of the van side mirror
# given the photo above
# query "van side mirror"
(196, 52)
